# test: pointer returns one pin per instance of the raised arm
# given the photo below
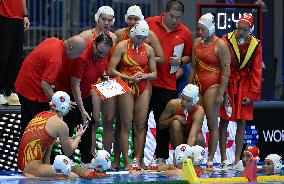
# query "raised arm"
(69, 146)
(154, 42)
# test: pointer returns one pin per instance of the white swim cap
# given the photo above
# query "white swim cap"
(141, 29)
(277, 161)
(191, 91)
(208, 21)
(198, 154)
(101, 161)
(60, 101)
(61, 165)
(134, 10)
(106, 10)
(182, 152)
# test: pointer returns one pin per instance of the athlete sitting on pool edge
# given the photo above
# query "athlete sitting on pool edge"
(40, 135)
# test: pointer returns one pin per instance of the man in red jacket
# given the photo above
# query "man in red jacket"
(171, 32)
(89, 68)
(39, 72)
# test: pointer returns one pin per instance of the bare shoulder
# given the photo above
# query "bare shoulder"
(174, 103)
(120, 47)
(87, 34)
(200, 110)
(57, 121)
(152, 34)
(55, 125)
(199, 115)
(196, 41)
(149, 48)
(119, 32)
(122, 44)
(221, 48)
(113, 36)
(220, 43)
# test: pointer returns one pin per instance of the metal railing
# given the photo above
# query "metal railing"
(65, 18)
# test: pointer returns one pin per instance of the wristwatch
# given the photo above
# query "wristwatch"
(181, 62)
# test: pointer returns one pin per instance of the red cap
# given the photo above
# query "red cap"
(247, 18)
(253, 150)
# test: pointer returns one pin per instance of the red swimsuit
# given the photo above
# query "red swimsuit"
(125, 35)
(180, 112)
(208, 67)
(133, 62)
(35, 140)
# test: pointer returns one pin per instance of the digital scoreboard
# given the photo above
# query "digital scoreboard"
(227, 15)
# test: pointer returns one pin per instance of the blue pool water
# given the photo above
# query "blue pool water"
(111, 178)
(120, 177)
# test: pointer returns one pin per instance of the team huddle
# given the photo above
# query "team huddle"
(54, 88)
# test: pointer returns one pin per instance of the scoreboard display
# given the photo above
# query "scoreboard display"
(227, 15)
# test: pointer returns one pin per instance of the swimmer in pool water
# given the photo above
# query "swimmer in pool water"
(272, 164)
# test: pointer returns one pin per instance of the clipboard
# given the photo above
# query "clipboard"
(110, 88)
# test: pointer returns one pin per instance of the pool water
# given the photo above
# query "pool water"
(123, 177)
